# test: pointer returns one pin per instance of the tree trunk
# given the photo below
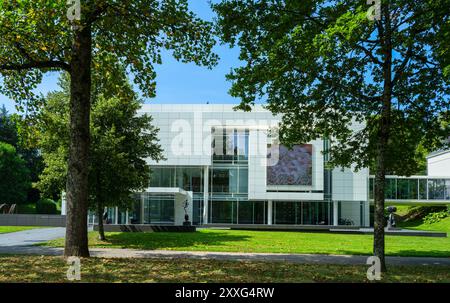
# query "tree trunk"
(383, 139)
(101, 229)
(77, 177)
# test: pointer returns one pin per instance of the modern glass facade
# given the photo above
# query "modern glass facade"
(187, 178)
(302, 213)
(230, 145)
(237, 212)
(413, 188)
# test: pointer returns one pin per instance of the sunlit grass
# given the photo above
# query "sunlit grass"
(11, 229)
(270, 242)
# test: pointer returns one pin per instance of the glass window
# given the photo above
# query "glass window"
(371, 189)
(407, 189)
(243, 180)
(222, 211)
(259, 212)
(284, 213)
(187, 178)
(135, 212)
(391, 189)
(245, 212)
(422, 189)
(436, 189)
(159, 209)
(230, 145)
(309, 213)
(447, 190)
(232, 180)
(197, 211)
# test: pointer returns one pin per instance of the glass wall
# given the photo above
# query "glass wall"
(197, 210)
(414, 189)
(230, 180)
(302, 213)
(187, 178)
(135, 211)
(230, 145)
(237, 212)
(158, 209)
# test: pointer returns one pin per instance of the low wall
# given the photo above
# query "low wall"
(146, 228)
(33, 220)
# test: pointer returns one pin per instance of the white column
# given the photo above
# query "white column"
(269, 212)
(116, 221)
(335, 213)
(127, 219)
(205, 194)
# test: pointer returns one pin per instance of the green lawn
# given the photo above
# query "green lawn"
(53, 269)
(443, 225)
(271, 242)
(11, 229)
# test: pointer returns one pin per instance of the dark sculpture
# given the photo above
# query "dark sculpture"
(186, 216)
(391, 219)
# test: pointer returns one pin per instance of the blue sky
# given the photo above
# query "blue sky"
(178, 82)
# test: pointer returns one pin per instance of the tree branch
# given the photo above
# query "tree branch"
(35, 64)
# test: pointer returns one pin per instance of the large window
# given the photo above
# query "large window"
(229, 180)
(187, 178)
(407, 189)
(302, 213)
(159, 209)
(223, 212)
(414, 188)
(230, 145)
(237, 212)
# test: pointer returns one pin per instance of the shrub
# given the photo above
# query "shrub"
(46, 207)
(435, 217)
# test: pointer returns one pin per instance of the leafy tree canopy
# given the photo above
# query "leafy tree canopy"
(121, 141)
(14, 176)
(36, 37)
(323, 64)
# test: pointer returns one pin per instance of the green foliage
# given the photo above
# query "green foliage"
(29, 208)
(46, 207)
(36, 37)
(8, 130)
(120, 143)
(10, 126)
(14, 176)
(435, 217)
(324, 66)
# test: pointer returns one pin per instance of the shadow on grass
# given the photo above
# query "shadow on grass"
(410, 224)
(168, 240)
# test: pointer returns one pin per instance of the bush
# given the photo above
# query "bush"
(435, 217)
(46, 207)
(26, 209)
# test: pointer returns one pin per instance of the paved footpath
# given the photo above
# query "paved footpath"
(164, 254)
(22, 243)
(31, 236)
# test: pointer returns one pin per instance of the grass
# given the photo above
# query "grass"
(11, 229)
(443, 225)
(53, 269)
(270, 242)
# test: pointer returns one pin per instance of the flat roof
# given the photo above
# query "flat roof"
(438, 153)
(197, 107)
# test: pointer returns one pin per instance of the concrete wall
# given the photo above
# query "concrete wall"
(33, 220)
